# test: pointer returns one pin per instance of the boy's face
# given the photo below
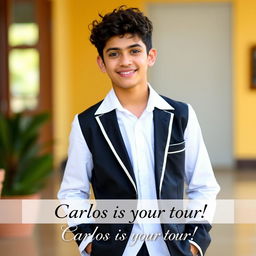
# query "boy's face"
(126, 61)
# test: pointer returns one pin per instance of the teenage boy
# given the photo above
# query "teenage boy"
(136, 144)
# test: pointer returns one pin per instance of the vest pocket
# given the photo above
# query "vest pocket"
(176, 147)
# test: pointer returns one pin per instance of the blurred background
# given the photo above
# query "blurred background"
(205, 57)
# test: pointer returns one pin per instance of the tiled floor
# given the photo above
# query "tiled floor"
(227, 239)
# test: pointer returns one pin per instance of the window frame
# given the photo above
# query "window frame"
(43, 18)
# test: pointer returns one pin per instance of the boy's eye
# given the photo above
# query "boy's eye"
(113, 54)
(135, 51)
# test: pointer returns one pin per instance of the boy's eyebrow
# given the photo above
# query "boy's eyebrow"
(116, 48)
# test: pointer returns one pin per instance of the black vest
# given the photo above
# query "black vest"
(113, 176)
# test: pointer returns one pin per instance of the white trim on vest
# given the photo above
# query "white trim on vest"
(114, 151)
(166, 151)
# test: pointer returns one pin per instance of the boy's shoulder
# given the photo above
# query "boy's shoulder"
(89, 112)
(179, 106)
(180, 111)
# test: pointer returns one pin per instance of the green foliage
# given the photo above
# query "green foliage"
(26, 167)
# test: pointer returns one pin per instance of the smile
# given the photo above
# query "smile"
(127, 73)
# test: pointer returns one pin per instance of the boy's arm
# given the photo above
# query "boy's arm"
(199, 178)
(76, 181)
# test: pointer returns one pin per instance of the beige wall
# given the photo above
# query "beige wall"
(79, 84)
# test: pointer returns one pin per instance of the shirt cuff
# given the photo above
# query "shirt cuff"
(198, 247)
(83, 245)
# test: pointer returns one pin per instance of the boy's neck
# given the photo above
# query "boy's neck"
(133, 99)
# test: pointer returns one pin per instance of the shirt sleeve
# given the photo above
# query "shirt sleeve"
(76, 180)
(200, 179)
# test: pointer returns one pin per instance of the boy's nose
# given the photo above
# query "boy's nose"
(125, 60)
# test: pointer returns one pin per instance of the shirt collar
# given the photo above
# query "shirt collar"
(111, 102)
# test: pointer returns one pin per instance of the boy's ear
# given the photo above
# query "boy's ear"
(152, 57)
(101, 64)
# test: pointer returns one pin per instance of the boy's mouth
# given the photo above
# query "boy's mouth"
(127, 73)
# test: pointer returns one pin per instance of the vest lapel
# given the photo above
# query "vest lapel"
(162, 134)
(111, 132)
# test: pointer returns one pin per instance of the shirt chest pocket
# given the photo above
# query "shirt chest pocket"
(176, 148)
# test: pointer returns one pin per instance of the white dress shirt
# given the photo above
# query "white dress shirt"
(138, 136)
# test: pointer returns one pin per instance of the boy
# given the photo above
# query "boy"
(136, 144)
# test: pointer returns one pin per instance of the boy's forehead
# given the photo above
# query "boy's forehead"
(124, 41)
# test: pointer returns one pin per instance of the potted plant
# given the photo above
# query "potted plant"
(26, 165)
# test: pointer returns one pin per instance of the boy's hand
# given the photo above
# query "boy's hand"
(88, 248)
(193, 249)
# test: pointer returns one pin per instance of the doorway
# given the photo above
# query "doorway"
(195, 65)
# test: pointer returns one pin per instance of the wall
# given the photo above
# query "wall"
(79, 84)
(244, 98)
(62, 76)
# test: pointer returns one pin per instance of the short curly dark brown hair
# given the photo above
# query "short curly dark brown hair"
(118, 23)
